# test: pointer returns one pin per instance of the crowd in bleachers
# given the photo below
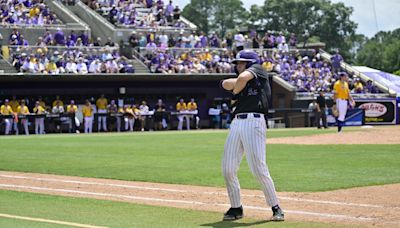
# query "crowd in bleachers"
(139, 13)
(110, 115)
(26, 12)
(59, 53)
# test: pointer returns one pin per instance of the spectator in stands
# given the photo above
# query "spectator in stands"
(371, 88)
(177, 13)
(81, 66)
(336, 60)
(358, 86)
(59, 37)
(293, 40)
(101, 105)
(239, 41)
(133, 40)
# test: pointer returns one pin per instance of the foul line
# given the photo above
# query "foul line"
(49, 221)
(333, 216)
(185, 191)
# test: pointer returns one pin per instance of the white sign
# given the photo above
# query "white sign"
(374, 109)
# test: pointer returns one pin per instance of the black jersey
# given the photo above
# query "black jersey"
(255, 97)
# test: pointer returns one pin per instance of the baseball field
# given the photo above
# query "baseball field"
(173, 179)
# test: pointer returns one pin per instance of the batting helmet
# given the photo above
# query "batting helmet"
(249, 56)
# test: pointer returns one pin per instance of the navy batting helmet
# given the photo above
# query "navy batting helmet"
(249, 56)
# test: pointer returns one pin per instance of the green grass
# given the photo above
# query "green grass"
(195, 158)
(114, 214)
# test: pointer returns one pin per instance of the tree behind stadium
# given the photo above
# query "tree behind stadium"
(382, 52)
(326, 21)
(216, 15)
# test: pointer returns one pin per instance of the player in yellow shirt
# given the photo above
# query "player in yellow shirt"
(192, 106)
(130, 117)
(39, 121)
(72, 109)
(87, 112)
(341, 94)
(101, 105)
(57, 100)
(181, 108)
(6, 109)
(14, 103)
(24, 110)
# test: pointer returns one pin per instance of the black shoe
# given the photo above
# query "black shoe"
(277, 214)
(233, 214)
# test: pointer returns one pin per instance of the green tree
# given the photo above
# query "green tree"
(319, 18)
(217, 15)
(199, 12)
(381, 51)
(228, 14)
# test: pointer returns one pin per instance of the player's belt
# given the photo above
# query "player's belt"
(245, 115)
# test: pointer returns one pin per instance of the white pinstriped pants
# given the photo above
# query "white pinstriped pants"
(247, 135)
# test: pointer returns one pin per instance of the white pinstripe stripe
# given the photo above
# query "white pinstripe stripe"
(249, 135)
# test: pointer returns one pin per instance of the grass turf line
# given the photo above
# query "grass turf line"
(195, 158)
(115, 214)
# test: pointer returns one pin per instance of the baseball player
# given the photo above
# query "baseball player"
(101, 104)
(251, 91)
(72, 109)
(341, 95)
(6, 109)
(87, 112)
(182, 107)
(14, 103)
(23, 109)
(39, 121)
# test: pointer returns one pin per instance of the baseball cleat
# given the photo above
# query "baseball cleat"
(277, 214)
(233, 214)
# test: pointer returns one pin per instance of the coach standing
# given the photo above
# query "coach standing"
(247, 135)
(341, 94)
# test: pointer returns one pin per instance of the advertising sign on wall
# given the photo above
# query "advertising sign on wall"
(378, 111)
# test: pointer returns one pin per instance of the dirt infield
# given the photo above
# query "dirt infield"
(376, 206)
(363, 135)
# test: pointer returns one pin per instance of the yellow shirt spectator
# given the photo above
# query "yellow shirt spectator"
(38, 109)
(342, 90)
(6, 110)
(72, 108)
(87, 111)
(192, 106)
(51, 67)
(181, 106)
(358, 86)
(101, 103)
(267, 66)
(23, 110)
(41, 103)
(14, 105)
